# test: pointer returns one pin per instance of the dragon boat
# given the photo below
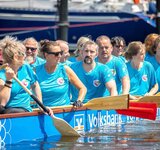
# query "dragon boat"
(34, 125)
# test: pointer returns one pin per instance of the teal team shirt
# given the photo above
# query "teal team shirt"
(72, 59)
(38, 62)
(19, 98)
(119, 70)
(67, 62)
(142, 80)
(148, 56)
(94, 80)
(158, 77)
(122, 58)
(153, 61)
(54, 86)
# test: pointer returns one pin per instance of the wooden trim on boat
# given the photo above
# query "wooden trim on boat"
(37, 112)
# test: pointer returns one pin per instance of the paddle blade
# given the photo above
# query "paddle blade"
(108, 103)
(141, 110)
(64, 128)
(154, 99)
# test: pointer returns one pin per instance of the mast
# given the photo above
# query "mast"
(158, 16)
(63, 19)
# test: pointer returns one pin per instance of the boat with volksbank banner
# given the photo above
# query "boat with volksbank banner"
(15, 128)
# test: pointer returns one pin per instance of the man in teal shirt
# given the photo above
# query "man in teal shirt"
(95, 76)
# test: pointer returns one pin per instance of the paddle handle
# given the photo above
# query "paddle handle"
(33, 96)
(23, 86)
(39, 103)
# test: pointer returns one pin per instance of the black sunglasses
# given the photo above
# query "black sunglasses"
(31, 48)
(118, 46)
(55, 53)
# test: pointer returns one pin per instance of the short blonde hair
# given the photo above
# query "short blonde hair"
(10, 46)
(80, 43)
(90, 42)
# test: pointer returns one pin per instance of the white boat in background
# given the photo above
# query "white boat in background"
(39, 19)
(80, 5)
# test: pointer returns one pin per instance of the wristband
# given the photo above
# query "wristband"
(8, 82)
(7, 85)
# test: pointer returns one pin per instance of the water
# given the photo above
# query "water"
(142, 135)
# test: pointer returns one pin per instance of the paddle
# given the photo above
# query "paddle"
(154, 99)
(120, 104)
(141, 110)
(105, 103)
(108, 103)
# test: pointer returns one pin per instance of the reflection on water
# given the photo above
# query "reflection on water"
(132, 136)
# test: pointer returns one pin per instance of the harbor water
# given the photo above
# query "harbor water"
(143, 134)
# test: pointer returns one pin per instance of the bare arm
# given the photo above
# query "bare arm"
(111, 86)
(125, 85)
(77, 83)
(153, 90)
(5, 93)
(150, 93)
(5, 89)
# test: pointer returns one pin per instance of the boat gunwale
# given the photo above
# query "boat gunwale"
(37, 112)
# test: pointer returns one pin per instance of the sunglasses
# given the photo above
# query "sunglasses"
(33, 49)
(118, 46)
(55, 53)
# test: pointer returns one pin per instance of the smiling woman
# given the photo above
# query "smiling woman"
(55, 78)
(13, 98)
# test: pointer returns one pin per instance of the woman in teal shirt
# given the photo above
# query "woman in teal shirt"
(13, 98)
(55, 78)
(142, 74)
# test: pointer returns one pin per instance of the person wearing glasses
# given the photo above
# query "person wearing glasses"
(13, 98)
(95, 76)
(119, 45)
(116, 65)
(32, 51)
(55, 78)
